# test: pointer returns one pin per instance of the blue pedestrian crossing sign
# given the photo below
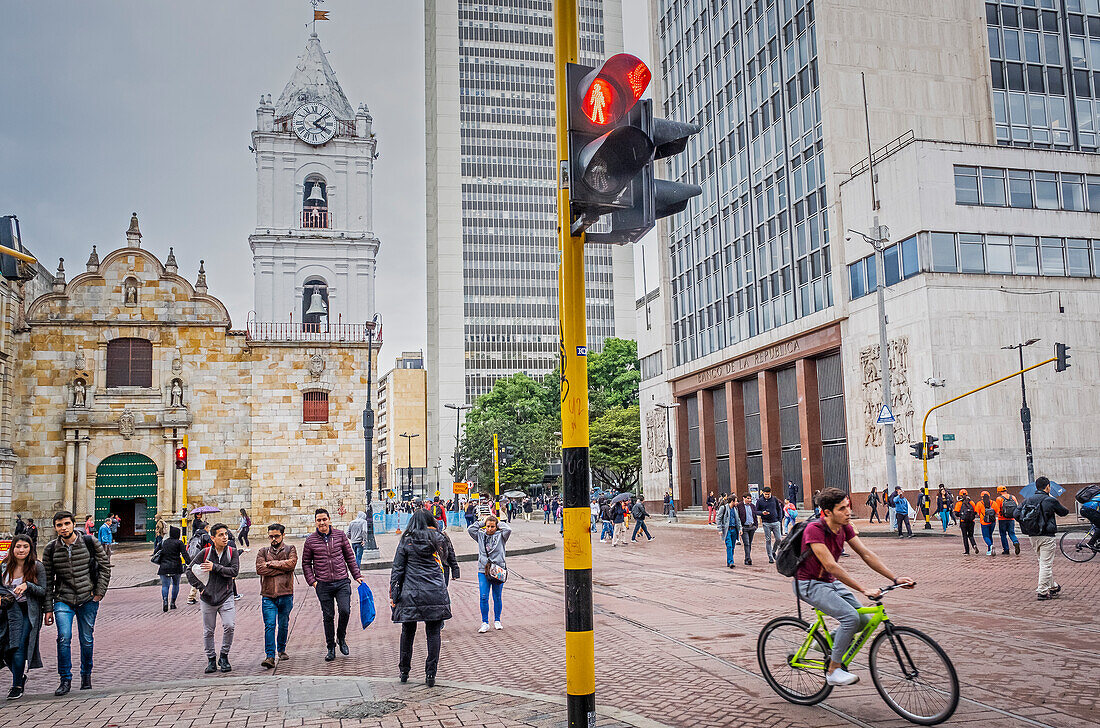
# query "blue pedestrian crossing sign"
(885, 416)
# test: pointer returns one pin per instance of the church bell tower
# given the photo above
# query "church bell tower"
(313, 250)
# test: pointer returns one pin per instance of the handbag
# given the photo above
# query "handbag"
(155, 558)
(495, 572)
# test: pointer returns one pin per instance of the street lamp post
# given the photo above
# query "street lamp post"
(458, 408)
(668, 452)
(1025, 412)
(409, 439)
(370, 550)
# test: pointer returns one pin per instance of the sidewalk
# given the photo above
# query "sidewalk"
(131, 566)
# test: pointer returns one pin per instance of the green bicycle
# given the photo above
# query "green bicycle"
(910, 671)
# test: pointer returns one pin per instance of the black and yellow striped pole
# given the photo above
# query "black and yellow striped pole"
(580, 659)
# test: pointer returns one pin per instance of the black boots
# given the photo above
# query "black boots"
(63, 688)
(344, 648)
(166, 605)
(331, 654)
(223, 663)
(212, 666)
(404, 676)
(85, 682)
(429, 680)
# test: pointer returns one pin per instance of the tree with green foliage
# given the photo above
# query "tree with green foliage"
(613, 377)
(615, 453)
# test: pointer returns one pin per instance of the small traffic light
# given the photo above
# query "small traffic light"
(613, 142)
(918, 450)
(932, 447)
(181, 458)
(1061, 351)
(15, 263)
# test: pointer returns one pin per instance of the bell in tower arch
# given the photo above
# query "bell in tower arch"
(316, 304)
(316, 197)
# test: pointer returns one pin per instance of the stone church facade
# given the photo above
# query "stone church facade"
(117, 366)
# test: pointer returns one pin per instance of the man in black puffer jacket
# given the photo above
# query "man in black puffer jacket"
(418, 590)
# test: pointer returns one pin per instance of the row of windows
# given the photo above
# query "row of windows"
(1022, 255)
(1023, 188)
(899, 262)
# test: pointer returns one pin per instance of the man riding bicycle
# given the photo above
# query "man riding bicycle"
(816, 581)
(1090, 511)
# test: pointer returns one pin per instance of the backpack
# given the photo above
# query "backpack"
(966, 510)
(1030, 516)
(93, 565)
(194, 547)
(1087, 493)
(437, 510)
(789, 554)
(1008, 507)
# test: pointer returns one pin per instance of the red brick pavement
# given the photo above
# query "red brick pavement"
(675, 635)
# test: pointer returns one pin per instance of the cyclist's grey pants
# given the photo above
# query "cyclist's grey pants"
(838, 601)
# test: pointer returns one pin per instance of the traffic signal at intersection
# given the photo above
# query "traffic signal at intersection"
(613, 142)
(918, 450)
(932, 448)
(181, 458)
(1061, 351)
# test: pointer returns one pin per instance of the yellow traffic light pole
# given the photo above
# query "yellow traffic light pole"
(924, 423)
(580, 659)
(183, 491)
(496, 468)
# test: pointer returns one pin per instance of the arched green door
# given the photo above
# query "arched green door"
(126, 484)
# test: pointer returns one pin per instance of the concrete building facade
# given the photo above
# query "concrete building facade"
(491, 228)
(772, 348)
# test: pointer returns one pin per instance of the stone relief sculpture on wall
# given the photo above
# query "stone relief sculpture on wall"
(176, 393)
(126, 424)
(901, 396)
(177, 362)
(656, 442)
(316, 366)
(80, 393)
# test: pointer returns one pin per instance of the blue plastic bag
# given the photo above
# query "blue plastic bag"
(366, 605)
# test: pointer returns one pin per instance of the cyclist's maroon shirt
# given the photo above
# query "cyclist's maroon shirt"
(818, 532)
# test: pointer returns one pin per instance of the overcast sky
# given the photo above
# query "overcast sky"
(117, 106)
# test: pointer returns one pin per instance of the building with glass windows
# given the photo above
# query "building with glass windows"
(982, 118)
(491, 236)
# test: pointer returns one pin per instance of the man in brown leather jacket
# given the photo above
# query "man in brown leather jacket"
(275, 566)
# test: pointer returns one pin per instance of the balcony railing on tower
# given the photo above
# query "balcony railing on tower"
(315, 217)
(274, 331)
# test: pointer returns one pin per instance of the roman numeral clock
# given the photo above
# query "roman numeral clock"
(314, 123)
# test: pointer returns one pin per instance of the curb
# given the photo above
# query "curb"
(625, 716)
(369, 566)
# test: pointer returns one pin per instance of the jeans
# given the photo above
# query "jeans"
(1008, 531)
(903, 520)
(771, 530)
(640, 526)
(408, 631)
(788, 522)
(546, 517)
(242, 537)
(167, 580)
(987, 535)
(731, 544)
(471, 519)
(874, 513)
(18, 668)
(276, 612)
(608, 530)
(945, 516)
(85, 625)
(968, 535)
(357, 549)
(1044, 549)
(335, 596)
(836, 600)
(484, 586)
(746, 541)
(210, 612)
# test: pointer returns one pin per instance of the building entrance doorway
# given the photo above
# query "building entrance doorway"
(126, 485)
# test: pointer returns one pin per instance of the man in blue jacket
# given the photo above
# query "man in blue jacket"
(729, 525)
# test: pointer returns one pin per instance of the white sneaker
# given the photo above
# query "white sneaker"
(498, 625)
(840, 676)
(484, 628)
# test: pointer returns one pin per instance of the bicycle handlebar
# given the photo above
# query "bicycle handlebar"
(891, 587)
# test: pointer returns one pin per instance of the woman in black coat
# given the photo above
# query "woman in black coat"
(172, 559)
(418, 590)
(22, 594)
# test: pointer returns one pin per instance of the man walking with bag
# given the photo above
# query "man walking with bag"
(1038, 516)
(639, 514)
(357, 534)
(220, 563)
(327, 559)
(771, 513)
(77, 574)
(275, 566)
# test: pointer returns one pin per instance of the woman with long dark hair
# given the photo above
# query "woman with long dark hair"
(23, 582)
(242, 530)
(171, 559)
(418, 590)
(944, 502)
(872, 503)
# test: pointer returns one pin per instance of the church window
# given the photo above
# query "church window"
(314, 406)
(315, 305)
(315, 202)
(129, 363)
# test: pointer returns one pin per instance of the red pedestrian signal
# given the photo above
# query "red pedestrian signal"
(611, 90)
(181, 458)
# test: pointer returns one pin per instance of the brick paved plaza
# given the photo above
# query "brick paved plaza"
(675, 644)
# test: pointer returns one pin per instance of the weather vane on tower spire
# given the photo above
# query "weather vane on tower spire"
(317, 14)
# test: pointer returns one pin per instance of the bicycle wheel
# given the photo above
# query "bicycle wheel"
(778, 643)
(1074, 545)
(914, 675)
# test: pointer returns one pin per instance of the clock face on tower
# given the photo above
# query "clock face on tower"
(314, 123)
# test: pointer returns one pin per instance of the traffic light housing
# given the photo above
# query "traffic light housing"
(11, 267)
(1061, 351)
(932, 448)
(918, 450)
(181, 458)
(613, 142)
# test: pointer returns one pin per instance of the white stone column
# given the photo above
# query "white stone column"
(84, 494)
(67, 496)
(166, 494)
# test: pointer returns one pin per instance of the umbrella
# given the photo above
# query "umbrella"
(514, 494)
(204, 509)
(622, 497)
(1029, 490)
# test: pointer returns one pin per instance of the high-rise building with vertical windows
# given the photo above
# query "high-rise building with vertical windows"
(983, 118)
(492, 221)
